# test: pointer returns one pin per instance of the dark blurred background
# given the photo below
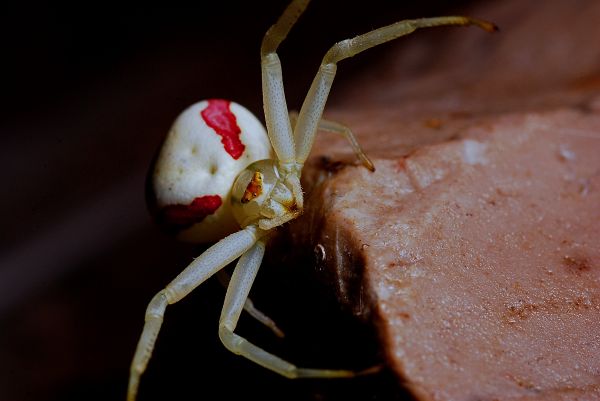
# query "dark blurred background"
(88, 92)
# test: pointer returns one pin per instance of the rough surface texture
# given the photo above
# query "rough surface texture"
(475, 245)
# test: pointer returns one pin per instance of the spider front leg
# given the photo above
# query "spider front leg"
(237, 293)
(274, 103)
(212, 260)
(314, 103)
(276, 113)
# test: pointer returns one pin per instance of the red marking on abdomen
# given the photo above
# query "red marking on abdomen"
(195, 212)
(219, 117)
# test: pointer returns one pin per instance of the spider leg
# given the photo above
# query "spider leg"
(237, 293)
(249, 307)
(274, 103)
(262, 318)
(314, 103)
(337, 128)
(212, 260)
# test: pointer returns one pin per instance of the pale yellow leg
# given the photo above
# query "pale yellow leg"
(237, 293)
(251, 309)
(314, 103)
(337, 128)
(212, 260)
(274, 103)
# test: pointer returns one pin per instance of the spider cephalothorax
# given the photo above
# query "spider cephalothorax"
(220, 175)
(261, 195)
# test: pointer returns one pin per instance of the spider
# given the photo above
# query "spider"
(218, 150)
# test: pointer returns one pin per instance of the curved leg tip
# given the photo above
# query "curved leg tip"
(370, 371)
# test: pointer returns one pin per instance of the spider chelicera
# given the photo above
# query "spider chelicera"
(217, 150)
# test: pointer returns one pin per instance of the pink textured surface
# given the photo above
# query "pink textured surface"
(481, 257)
(475, 246)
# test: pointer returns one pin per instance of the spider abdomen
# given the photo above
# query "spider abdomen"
(206, 148)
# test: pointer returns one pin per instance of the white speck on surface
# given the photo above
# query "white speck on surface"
(320, 252)
(566, 153)
(474, 152)
(384, 291)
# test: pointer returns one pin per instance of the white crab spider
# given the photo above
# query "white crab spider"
(195, 173)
